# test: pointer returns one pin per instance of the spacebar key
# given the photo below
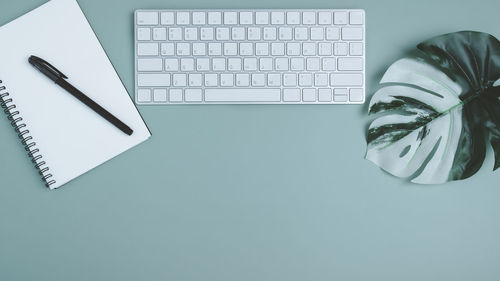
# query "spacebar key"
(242, 95)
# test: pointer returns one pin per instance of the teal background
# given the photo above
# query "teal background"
(255, 192)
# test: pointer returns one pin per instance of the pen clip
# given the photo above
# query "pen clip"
(46, 67)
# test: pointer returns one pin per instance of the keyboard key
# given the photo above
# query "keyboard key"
(350, 64)
(274, 80)
(195, 80)
(269, 33)
(325, 49)
(317, 33)
(305, 79)
(356, 95)
(340, 18)
(171, 64)
(246, 49)
(242, 79)
(151, 80)
(250, 64)
(147, 49)
(207, 33)
(325, 95)
(356, 49)
(182, 18)
(242, 95)
(262, 49)
(278, 49)
(230, 49)
(325, 18)
(214, 49)
(356, 17)
(238, 33)
(258, 79)
(183, 49)
(175, 95)
(193, 95)
(187, 64)
(167, 49)
(340, 95)
(301, 33)
(159, 33)
(285, 33)
(167, 18)
(309, 49)
(340, 49)
(214, 18)
(309, 17)
(309, 95)
(149, 65)
(203, 64)
(290, 79)
(147, 18)
(352, 33)
(293, 49)
(226, 80)
(312, 64)
(222, 33)
(293, 18)
(262, 18)
(144, 95)
(332, 33)
(339, 98)
(160, 95)
(320, 79)
(281, 64)
(179, 80)
(266, 64)
(175, 34)
(346, 79)
(234, 64)
(246, 18)
(277, 18)
(190, 34)
(211, 80)
(230, 18)
(199, 18)
(297, 64)
(143, 34)
(291, 95)
(199, 49)
(219, 64)
(328, 64)
(253, 33)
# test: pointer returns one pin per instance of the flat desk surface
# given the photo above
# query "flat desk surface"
(252, 192)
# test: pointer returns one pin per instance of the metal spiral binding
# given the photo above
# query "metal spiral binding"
(23, 133)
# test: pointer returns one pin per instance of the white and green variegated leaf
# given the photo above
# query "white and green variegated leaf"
(437, 111)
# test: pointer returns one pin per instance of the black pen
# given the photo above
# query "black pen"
(59, 78)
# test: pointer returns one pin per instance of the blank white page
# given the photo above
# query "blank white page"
(71, 137)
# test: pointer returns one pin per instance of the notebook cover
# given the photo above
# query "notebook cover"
(71, 138)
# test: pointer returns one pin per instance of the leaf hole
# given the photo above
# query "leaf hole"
(405, 151)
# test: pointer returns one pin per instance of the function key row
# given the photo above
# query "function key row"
(250, 18)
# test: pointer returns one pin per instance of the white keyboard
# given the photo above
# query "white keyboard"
(250, 56)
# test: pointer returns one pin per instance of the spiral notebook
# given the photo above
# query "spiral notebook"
(62, 136)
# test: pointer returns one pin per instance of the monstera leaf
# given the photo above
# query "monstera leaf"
(438, 110)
